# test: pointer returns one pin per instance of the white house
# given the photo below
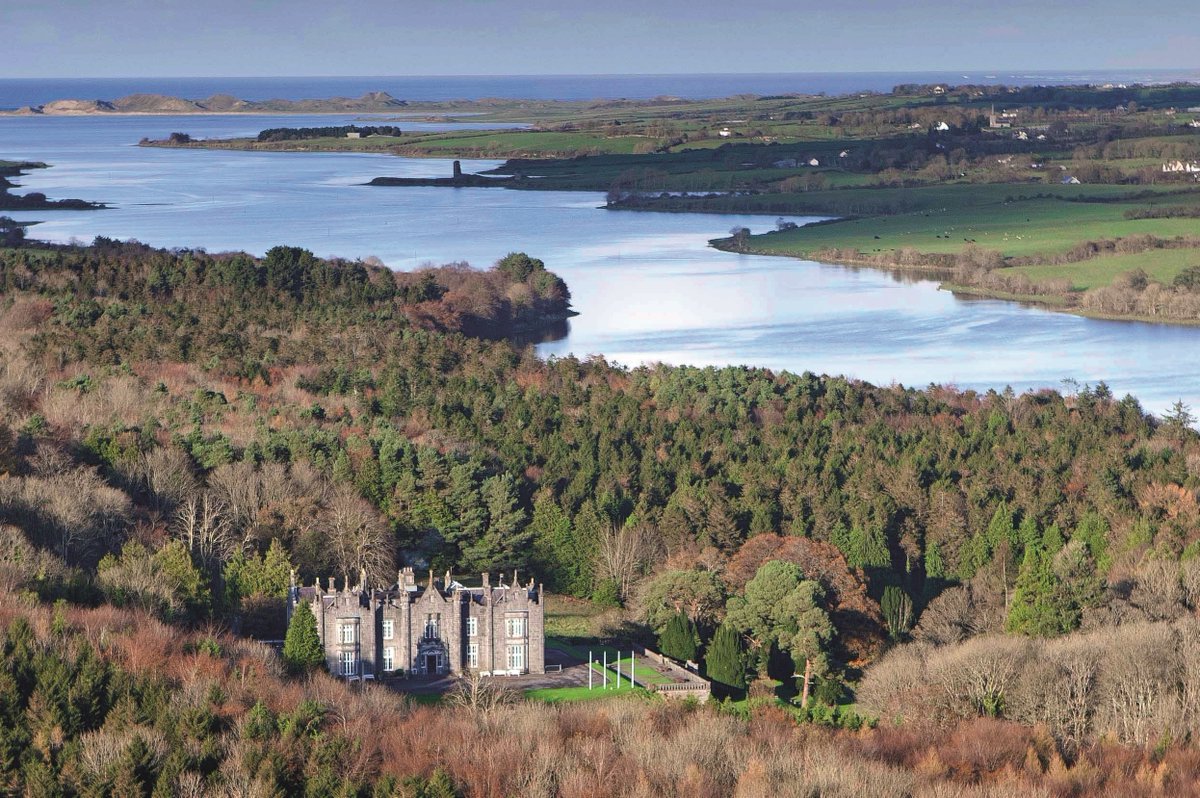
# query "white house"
(724, 132)
(942, 127)
(1189, 167)
(813, 162)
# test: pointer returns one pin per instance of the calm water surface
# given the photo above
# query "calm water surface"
(646, 285)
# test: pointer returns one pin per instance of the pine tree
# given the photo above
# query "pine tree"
(302, 651)
(725, 663)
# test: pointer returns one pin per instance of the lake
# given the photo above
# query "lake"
(646, 285)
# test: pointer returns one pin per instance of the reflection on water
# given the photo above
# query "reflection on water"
(646, 285)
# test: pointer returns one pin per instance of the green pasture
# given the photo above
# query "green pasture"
(1011, 219)
(1161, 265)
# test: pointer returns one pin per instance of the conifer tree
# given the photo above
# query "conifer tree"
(897, 611)
(680, 639)
(725, 663)
(302, 651)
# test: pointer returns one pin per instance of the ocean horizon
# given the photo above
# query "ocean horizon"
(19, 92)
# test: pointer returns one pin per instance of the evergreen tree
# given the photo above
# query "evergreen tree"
(897, 611)
(725, 662)
(1092, 531)
(506, 541)
(558, 555)
(1040, 605)
(267, 575)
(469, 519)
(780, 608)
(680, 640)
(868, 548)
(186, 581)
(302, 651)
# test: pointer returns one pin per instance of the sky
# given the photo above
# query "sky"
(176, 38)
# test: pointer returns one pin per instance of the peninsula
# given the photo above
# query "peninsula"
(371, 102)
(1080, 198)
(35, 200)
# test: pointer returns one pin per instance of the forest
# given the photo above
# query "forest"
(953, 592)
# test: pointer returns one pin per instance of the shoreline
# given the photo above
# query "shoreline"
(1042, 301)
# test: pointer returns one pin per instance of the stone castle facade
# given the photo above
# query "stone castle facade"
(440, 628)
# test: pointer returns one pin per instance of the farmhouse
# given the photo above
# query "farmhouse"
(440, 628)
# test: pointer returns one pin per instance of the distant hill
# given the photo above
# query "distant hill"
(374, 101)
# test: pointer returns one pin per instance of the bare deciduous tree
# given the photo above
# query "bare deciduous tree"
(168, 476)
(358, 538)
(479, 695)
(623, 554)
(201, 523)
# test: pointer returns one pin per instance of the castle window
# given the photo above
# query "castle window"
(514, 627)
(389, 627)
(431, 627)
(472, 627)
(349, 664)
(348, 634)
(472, 655)
(516, 658)
(389, 659)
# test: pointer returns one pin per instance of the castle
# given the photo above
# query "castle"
(495, 630)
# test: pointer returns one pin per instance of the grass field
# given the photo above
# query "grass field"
(1160, 264)
(558, 695)
(943, 219)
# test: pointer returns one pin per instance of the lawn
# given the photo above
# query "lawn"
(1160, 264)
(556, 695)
(582, 649)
